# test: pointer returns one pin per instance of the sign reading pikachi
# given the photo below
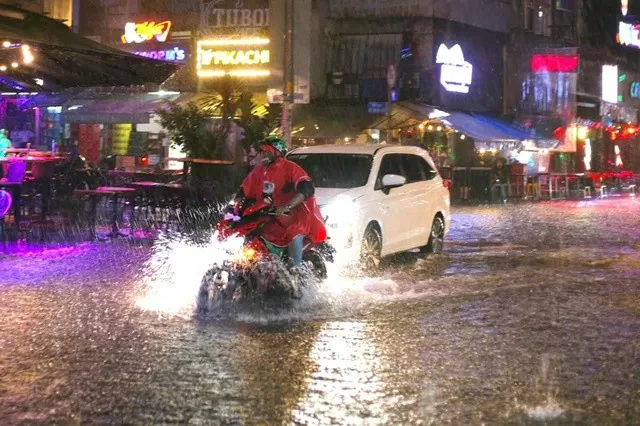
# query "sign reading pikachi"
(249, 57)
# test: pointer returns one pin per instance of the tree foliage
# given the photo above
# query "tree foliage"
(201, 129)
(190, 128)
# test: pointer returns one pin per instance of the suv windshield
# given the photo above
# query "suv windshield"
(335, 170)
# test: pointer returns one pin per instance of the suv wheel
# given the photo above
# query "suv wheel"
(436, 237)
(370, 253)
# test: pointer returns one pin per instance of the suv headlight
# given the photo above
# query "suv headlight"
(340, 217)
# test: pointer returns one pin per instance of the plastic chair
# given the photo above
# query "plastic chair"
(13, 180)
(5, 205)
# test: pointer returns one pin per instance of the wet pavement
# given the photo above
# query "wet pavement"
(532, 316)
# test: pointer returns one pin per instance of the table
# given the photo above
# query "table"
(187, 161)
(43, 176)
(161, 196)
(146, 175)
(112, 191)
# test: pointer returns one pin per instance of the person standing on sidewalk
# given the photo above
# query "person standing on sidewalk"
(499, 179)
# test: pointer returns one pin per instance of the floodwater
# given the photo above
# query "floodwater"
(532, 316)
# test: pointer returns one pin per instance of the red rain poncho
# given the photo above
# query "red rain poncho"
(305, 219)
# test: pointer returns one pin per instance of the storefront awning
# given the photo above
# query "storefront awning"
(483, 128)
(119, 108)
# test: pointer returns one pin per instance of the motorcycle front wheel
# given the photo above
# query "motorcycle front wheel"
(317, 263)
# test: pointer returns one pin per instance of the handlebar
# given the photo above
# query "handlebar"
(266, 211)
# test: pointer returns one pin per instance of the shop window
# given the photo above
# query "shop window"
(565, 22)
(360, 61)
(547, 93)
(530, 18)
(565, 5)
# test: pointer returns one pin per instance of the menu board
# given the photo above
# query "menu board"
(120, 138)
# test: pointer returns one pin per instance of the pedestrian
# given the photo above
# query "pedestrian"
(499, 179)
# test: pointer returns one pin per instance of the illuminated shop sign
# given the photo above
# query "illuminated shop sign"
(554, 63)
(176, 54)
(236, 14)
(456, 74)
(145, 31)
(634, 91)
(234, 18)
(629, 34)
(236, 57)
(624, 7)
(610, 83)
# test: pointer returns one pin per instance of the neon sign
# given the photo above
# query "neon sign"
(629, 35)
(624, 7)
(145, 31)
(173, 55)
(554, 63)
(455, 73)
(236, 57)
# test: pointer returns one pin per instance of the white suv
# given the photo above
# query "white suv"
(379, 199)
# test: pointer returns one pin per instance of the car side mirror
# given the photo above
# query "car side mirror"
(393, 181)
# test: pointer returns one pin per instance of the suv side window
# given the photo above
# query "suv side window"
(391, 164)
(417, 168)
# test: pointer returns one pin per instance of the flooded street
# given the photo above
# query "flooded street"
(532, 316)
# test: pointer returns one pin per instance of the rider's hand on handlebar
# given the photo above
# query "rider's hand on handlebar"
(283, 211)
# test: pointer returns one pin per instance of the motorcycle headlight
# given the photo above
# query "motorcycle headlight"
(247, 254)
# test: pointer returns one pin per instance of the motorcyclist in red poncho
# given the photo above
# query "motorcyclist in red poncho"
(293, 196)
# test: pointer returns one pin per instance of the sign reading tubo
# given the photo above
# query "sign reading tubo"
(456, 74)
(145, 31)
(218, 14)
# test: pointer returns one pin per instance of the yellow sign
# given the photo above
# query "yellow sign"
(145, 31)
(120, 135)
(234, 57)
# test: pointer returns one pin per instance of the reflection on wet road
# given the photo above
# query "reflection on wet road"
(531, 317)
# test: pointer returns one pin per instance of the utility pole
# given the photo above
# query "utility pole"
(289, 75)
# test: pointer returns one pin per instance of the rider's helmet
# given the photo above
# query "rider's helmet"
(273, 144)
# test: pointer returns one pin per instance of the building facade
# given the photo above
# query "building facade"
(542, 63)
(65, 11)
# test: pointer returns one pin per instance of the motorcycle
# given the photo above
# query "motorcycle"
(260, 269)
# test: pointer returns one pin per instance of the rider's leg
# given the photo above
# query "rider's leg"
(295, 250)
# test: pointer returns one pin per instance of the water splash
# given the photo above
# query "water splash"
(175, 269)
(550, 409)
